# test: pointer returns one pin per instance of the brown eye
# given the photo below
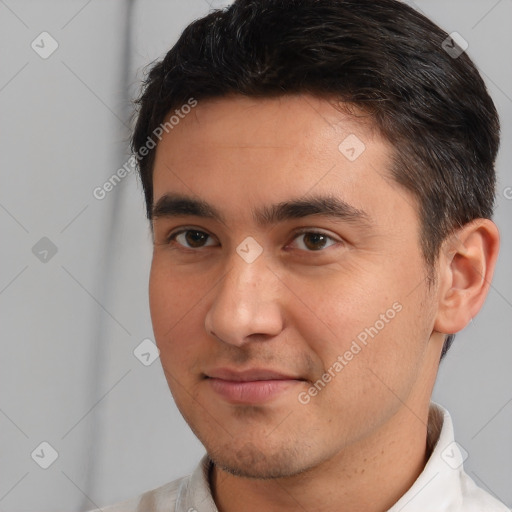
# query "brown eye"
(314, 241)
(195, 238)
(191, 238)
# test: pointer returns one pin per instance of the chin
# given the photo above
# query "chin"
(249, 461)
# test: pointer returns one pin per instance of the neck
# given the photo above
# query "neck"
(369, 476)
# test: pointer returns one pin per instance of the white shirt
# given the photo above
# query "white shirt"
(443, 486)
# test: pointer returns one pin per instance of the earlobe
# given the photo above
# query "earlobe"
(466, 266)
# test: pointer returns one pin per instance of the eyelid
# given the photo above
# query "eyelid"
(312, 230)
(169, 238)
(309, 229)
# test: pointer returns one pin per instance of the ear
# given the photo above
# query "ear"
(466, 265)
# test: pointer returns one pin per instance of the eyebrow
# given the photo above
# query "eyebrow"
(178, 205)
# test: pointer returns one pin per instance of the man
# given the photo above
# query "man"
(319, 178)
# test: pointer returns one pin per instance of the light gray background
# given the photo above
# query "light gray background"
(69, 325)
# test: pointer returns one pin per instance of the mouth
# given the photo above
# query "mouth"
(250, 386)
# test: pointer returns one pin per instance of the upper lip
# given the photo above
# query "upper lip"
(249, 375)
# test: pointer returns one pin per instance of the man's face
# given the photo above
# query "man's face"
(285, 349)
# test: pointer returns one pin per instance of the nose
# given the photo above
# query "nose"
(246, 303)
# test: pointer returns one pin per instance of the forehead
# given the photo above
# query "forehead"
(285, 122)
(237, 151)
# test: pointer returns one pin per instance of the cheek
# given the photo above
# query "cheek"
(331, 311)
(172, 294)
(175, 303)
(369, 317)
(162, 302)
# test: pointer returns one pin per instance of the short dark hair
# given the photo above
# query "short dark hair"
(380, 56)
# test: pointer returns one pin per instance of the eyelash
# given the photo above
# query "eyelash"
(172, 237)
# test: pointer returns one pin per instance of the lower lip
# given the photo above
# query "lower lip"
(255, 391)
